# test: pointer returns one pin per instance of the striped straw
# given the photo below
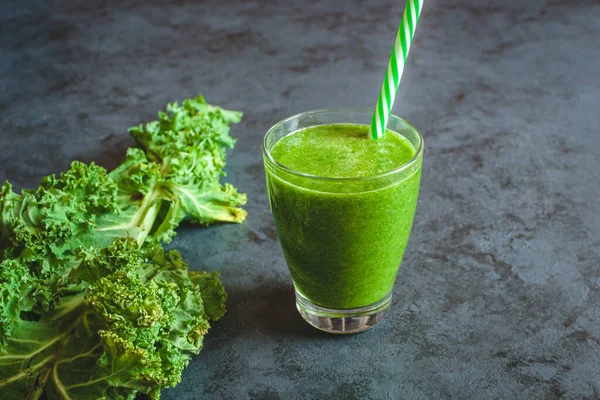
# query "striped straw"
(406, 30)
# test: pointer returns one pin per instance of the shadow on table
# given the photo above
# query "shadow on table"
(269, 308)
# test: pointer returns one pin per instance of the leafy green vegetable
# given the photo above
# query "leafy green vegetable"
(90, 305)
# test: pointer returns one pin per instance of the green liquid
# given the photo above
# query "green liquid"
(342, 151)
(343, 241)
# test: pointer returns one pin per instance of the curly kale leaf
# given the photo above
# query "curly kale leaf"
(90, 305)
(132, 330)
(57, 217)
(175, 175)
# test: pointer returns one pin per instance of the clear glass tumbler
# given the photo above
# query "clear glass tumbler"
(343, 238)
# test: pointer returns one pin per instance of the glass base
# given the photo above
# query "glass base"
(343, 321)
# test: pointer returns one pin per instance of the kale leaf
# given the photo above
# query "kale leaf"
(91, 306)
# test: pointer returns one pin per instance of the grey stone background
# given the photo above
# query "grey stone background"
(499, 293)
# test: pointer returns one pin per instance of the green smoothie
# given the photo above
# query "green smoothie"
(343, 239)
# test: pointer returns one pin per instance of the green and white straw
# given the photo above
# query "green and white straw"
(406, 30)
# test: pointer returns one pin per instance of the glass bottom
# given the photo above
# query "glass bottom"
(343, 321)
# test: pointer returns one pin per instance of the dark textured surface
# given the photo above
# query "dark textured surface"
(499, 293)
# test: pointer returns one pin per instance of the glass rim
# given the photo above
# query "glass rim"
(406, 165)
